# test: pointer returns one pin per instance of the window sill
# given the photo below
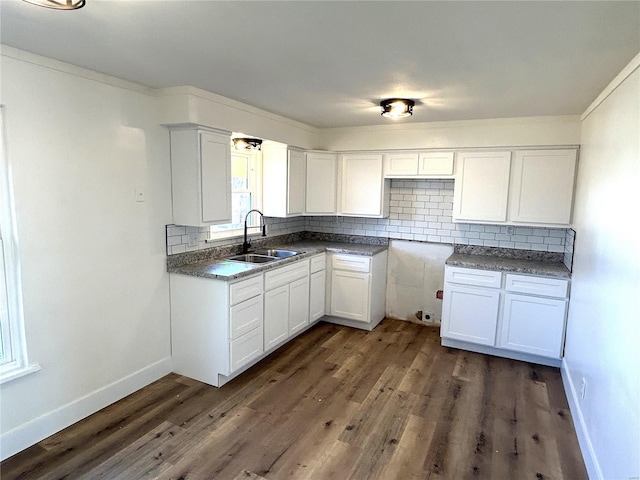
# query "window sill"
(233, 234)
(17, 372)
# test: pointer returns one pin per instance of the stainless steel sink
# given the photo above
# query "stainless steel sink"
(274, 252)
(252, 258)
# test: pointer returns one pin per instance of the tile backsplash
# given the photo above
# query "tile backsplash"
(419, 210)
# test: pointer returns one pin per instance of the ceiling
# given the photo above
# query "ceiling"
(328, 64)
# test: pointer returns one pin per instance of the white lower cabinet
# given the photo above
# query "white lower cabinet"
(350, 295)
(518, 316)
(471, 314)
(286, 302)
(276, 315)
(533, 318)
(317, 287)
(298, 305)
(357, 290)
(216, 326)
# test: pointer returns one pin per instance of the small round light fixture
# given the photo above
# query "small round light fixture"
(397, 107)
(59, 4)
(247, 143)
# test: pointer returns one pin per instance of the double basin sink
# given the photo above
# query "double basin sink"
(263, 256)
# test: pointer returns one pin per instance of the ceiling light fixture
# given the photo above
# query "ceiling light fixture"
(59, 4)
(247, 143)
(397, 107)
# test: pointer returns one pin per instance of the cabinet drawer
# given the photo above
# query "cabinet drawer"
(351, 263)
(245, 289)
(547, 287)
(318, 263)
(284, 275)
(246, 348)
(472, 276)
(246, 316)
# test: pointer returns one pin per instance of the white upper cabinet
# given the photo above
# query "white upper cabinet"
(542, 184)
(200, 177)
(321, 183)
(418, 164)
(481, 187)
(534, 188)
(283, 181)
(435, 164)
(401, 164)
(364, 192)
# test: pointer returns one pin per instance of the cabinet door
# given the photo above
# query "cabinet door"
(276, 316)
(435, 164)
(363, 188)
(296, 183)
(200, 177)
(403, 164)
(321, 184)
(533, 325)
(350, 295)
(542, 186)
(215, 160)
(481, 188)
(246, 348)
(470, 314)
(317, 290)
(298, 305)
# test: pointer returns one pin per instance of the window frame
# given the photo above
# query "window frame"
(254, 159)
(13, 332)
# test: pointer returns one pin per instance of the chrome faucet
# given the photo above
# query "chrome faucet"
(246, 245)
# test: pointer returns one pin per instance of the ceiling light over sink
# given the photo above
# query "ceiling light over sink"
(397, 107)
(58, 4)
(247, 143)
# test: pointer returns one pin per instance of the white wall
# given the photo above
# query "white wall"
(190, 105)
(603, 334)
(505, 132)
(414, 273)
(96, 291)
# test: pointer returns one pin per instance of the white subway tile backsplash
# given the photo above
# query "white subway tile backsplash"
(418, 210)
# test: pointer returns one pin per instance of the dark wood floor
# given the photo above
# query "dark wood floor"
(336, 403)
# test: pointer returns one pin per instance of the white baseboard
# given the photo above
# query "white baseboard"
(32, 432)
(586, 447)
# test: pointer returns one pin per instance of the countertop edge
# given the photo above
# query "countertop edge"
(509, 265)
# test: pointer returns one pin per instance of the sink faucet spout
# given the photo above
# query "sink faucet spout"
(246, 244)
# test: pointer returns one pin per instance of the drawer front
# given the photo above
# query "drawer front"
(319, 262)
(246, 348)
(351, 263)
(245, 289)
(472, 276)
(282, 276)
(246, 316)
(543, 286)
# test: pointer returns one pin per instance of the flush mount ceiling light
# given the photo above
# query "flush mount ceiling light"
(397, 107)
(59, 4)
(247, 143)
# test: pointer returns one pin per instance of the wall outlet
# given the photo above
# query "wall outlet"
(583, 388)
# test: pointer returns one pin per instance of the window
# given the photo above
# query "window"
(13, 351)
(245, 194)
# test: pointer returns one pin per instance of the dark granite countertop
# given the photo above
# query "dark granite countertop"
(509, 265)
(222, 269)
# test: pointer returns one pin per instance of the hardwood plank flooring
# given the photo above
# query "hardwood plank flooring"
(335, 403)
